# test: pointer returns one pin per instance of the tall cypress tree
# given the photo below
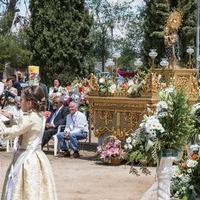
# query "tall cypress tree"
(155, 15)
(59, 37)
(188, 27)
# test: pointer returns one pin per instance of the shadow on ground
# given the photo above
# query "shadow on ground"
(87, 151)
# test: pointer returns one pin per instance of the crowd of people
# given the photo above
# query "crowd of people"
(56, 108)
(33, 115)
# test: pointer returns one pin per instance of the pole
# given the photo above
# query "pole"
(112, 39)
(197, 37)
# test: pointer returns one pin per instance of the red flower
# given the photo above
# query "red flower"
(194, 156)
(80, 89)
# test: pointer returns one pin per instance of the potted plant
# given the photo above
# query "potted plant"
(111, 151)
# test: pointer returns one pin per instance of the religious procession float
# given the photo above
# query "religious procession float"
(153, 118)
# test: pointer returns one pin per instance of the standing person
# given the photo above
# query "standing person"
(16, 85)
(76, 129)
(54, 91)
(29, 175)
(58, 117)
(45, 89)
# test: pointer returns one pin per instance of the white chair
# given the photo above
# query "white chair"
(55, 141)
(57, 145)
(11, 144)
(8, 145)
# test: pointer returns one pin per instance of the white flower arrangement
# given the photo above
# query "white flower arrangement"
(195, 147)
(169, 127)
(165, 93)
(131, 142)
(151, 126)
(102, 80)
(112, 88)
(185, 176)
(135, 86)
(191, 163)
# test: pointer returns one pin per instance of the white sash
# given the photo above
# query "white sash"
(15, 169)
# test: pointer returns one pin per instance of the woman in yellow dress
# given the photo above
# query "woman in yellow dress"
(29, 176)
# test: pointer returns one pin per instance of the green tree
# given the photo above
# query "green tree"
(13, 43)
(8, 15)
(155, 15)
(12, 51)
(59, 37)
(108, 17)
(188, 27)
(130, 45)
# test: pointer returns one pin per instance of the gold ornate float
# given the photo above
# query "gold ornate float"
(117, 114)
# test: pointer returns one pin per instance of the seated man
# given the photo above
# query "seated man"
(58, 117)
(76, 129)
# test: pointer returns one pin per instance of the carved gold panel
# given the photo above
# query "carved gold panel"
(115, 115)
(181, 78)
(120, 115)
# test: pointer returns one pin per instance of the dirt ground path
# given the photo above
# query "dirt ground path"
(85, 178)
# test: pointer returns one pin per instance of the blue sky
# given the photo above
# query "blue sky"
(135, 3)
(23, 8)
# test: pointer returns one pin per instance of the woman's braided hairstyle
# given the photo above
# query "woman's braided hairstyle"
(35, 94)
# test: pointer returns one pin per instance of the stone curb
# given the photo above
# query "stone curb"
(150, 194)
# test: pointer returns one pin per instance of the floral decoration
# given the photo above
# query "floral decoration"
(186, 176)
(130, 87)
(111, 148)
(170, 126)
(77, 91)
(135, 87)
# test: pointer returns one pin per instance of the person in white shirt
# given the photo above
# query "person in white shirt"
(76, 129)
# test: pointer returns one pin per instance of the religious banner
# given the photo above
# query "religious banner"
(33, 75)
